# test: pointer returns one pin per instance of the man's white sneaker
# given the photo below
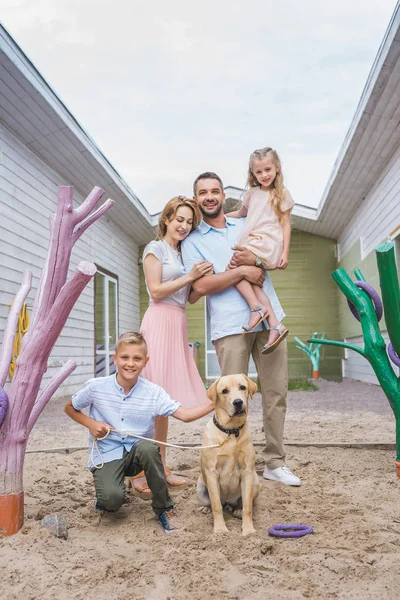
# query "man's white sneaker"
(281, 474)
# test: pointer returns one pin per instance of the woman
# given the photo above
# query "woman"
(164, 325)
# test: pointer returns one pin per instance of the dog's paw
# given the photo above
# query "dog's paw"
(220, 529)
(248, 530)
(237, 513)
(205, 510)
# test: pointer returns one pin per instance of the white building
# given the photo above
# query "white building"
(42, 146)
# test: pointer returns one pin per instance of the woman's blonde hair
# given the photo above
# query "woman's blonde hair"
(170, 210)
(278, 190)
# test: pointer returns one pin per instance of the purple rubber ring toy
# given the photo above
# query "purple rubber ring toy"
(290, 531)
(374, 297)
(393, 355)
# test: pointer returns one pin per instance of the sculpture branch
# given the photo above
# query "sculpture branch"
(389, 282)
(54, 301)
(335, 343)
(48, 392)
(61, 244)
(87, 205)
(11, 326)
(91, 219)
(374, 345)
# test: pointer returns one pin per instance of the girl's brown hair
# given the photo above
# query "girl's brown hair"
(170, 210)
(278, 190)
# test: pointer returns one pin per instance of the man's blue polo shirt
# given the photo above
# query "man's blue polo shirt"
(228, 309)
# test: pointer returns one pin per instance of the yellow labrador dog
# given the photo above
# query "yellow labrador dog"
(228, 479)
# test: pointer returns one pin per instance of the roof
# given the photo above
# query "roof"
(33, 112)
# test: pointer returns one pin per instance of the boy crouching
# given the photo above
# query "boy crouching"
(121, 406)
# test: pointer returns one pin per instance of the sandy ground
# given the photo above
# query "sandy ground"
(351, 497)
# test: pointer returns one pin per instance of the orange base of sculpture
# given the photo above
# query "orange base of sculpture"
(315, 375)
(397, 463)
(11, 514)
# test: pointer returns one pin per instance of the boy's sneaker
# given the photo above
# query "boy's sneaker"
(169, 521)
(281, 474)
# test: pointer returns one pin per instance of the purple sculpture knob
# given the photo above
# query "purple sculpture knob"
(3, 405)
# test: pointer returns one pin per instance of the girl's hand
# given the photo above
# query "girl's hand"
(283, 261)
(200, 269)
(99, 429)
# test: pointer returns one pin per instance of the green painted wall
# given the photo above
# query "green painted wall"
(310, 300)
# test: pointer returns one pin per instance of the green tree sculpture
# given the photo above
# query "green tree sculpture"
(374, 345)
(313, 353)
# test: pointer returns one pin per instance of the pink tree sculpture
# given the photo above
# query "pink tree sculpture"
(54, 301)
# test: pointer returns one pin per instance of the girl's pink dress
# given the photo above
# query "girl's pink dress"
(164, 327)
(262, 233)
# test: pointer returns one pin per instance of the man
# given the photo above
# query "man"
(213, 241)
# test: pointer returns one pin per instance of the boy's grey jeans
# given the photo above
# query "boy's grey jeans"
(109, 480)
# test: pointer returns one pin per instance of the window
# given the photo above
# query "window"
(212, 367)
(106, 322)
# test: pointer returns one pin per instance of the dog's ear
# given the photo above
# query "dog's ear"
(252, 386)
(212, 391)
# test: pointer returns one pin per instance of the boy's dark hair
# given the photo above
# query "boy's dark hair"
(207, 175)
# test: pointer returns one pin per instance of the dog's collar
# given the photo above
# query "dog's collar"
(235, 431)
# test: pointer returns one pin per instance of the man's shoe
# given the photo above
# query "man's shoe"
(281, 474)
(169, 521)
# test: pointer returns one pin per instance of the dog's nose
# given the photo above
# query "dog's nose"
(238, 403)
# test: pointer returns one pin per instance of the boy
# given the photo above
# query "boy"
(127, 403)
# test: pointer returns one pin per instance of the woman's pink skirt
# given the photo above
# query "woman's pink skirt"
(171, 364)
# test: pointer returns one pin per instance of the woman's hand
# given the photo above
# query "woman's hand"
(200, 269)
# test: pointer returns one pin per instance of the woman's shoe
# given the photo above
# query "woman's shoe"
(174, 480)
(283, 332)
(140, 486)
(263, 316)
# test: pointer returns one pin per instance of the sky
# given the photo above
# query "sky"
(170, 89)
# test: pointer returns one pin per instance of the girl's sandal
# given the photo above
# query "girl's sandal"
(140, 489)
(283, 332)
(175, 481)
(263, 316)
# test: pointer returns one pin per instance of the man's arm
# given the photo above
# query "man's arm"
(212, 284)
(98, 429)
(196, 412)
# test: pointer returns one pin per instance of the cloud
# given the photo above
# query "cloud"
(168, 89)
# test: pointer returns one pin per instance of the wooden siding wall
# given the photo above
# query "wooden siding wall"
(309, 297)
(28, 192)
(378, 215)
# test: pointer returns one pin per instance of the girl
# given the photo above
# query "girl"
(266, 233)
(164, 326)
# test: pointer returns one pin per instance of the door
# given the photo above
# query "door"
(106, 322)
